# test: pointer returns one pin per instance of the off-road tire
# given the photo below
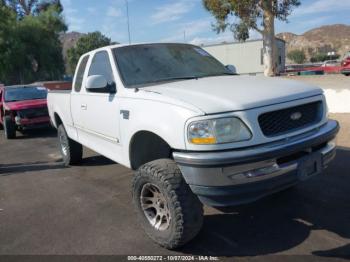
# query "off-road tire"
(9, 128)
(186, 211)
(71, 151)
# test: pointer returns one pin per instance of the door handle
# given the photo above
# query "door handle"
(83, 106)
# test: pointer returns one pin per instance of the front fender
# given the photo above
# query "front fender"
(162, 119)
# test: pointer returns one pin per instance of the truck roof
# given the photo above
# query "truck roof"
(136, 44)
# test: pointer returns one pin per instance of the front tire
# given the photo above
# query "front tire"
(71, 151)
(9, 128)
(169, 212)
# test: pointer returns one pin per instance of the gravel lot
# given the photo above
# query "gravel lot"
(337, 82)
(48, 209)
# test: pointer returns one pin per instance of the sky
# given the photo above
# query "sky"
(184, 20)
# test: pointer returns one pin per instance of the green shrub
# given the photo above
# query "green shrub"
(298, 56)
(321, 57)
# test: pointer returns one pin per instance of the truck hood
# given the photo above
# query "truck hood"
(235, 93)
(26, 104)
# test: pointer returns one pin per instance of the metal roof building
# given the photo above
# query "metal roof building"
(247, 56)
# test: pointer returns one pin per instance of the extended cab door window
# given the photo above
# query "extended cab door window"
(80, 74)
(76, 97)
(101, 65)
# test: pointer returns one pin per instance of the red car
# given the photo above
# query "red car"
(23, 107)
(346, 65)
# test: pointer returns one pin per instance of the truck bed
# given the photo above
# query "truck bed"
(59, 105)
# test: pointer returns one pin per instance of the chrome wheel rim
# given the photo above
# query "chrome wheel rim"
(64, 143)
(155, 207)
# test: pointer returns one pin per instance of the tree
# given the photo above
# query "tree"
(298, 56)
(9, 46)
(32, 7)
(85, 44)
(30, 47)
(44, 60)
(258, 15)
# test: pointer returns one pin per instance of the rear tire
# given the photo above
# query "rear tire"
(9, 128)
(71, 151)
(169, 212)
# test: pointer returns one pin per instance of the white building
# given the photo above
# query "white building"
(247, 56)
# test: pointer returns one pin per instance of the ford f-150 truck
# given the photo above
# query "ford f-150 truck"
(195, 132)
(23, 107)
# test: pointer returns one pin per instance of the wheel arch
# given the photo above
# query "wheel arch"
(146, 146)
(57, 120)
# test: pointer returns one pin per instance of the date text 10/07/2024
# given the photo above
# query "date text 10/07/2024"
(172, 258)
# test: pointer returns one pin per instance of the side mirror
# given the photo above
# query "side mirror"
(96, 83)
(232, 69)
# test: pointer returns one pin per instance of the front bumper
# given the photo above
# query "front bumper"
(32, 123)
(227, 178)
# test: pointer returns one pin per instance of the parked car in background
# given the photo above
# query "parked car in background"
(331, 67)
(327, 67)
(22, 108)
(195, 132)
(346, 65)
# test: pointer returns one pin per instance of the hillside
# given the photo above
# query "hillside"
(320, 40)
(68, 41)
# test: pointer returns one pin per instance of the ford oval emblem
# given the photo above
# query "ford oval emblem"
(296, 116)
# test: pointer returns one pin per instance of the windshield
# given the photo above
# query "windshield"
(153, 63)
(25, 93)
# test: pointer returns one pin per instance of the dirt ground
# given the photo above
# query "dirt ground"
(336, 81)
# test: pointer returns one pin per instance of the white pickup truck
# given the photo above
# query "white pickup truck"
(195, 132)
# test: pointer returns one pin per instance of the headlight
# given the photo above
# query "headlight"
(218, 131)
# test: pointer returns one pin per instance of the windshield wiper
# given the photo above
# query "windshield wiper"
(176, 78)
(224, 73)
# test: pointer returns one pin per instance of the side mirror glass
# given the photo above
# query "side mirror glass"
(96, 83)
(231, 69)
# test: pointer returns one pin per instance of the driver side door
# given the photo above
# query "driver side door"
(100, 110)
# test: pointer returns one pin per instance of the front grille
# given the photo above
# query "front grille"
(290, 119)
(34, 112)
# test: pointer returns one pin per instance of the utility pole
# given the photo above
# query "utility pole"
(184, 36)
(128, 21)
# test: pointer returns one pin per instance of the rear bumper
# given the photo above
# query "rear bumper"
(239, 176)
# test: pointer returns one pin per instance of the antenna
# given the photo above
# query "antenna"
(128, 20)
